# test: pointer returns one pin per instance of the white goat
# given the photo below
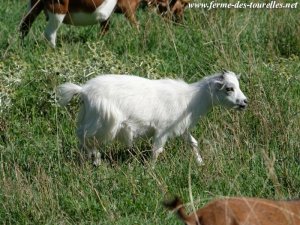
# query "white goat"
(124, 107)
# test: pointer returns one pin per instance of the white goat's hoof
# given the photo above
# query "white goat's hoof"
(96, 163)
(95, 157)
(200, 162)
(152, 163)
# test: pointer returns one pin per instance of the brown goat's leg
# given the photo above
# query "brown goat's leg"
(132, 19)
(35, 8)
(128, 8)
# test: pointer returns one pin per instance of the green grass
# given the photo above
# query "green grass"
(252, 153)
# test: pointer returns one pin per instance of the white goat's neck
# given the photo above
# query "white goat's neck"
(201, 101)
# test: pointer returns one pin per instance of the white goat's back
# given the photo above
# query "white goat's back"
(138, 97)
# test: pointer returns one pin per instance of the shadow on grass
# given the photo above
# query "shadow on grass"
(114, 155)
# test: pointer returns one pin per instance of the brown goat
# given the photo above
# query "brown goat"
(177, 8)
(240, 211)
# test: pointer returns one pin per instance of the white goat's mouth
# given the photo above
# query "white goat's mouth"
(241, 107)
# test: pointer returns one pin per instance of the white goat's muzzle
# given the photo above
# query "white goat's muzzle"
(241, 105)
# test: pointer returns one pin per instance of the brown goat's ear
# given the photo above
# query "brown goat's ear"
(185, 1)
(172, 204)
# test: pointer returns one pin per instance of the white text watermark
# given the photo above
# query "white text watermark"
(241, 5)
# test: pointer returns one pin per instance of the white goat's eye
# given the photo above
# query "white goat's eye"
(229, 89)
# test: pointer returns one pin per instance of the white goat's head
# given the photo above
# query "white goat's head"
(227, 91)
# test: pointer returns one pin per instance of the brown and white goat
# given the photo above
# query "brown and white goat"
(241, 211)
(88, 12)
(75, 12)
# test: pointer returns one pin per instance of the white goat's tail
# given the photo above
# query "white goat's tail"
(65, 93)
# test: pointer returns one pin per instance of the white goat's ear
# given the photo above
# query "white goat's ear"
(224, 71)
(221, 77)
(238, 76)
(219, 82)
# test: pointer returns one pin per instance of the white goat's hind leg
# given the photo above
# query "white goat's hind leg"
(88, 147)
(194, 145)
(55, 20)
(94, 154)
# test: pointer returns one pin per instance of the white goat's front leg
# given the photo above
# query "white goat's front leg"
(194, 145)
(106, 9)
(89, 154)
(158, 146)
(55, 20)
(95, 157)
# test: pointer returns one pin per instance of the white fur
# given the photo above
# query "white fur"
(102, 13)
(54, 23)
(124, 107)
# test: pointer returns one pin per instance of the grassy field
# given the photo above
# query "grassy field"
(250, 153)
